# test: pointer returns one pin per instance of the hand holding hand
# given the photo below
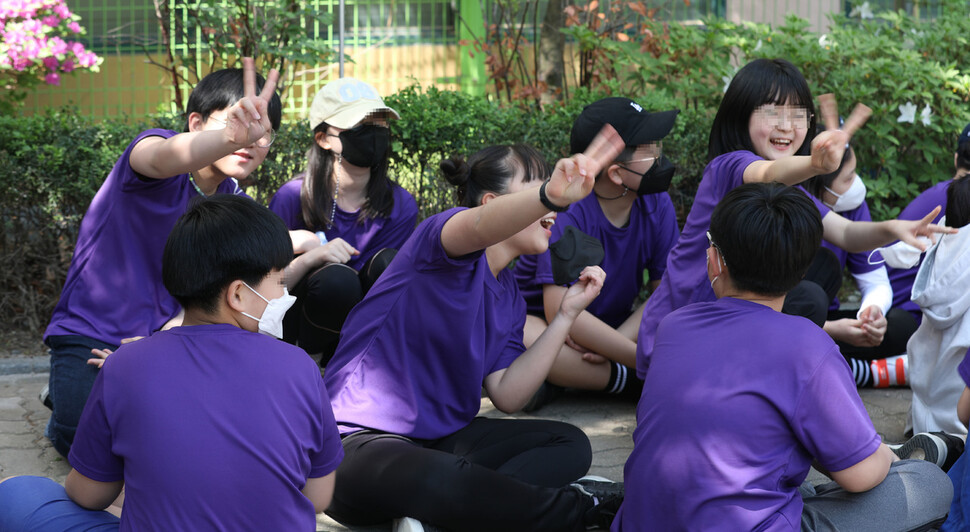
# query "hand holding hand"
(248, 119)
(874, 325)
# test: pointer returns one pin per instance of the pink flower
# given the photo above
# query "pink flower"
(51, 21)
(58, 46)
(74, 27)
(62, 11)
(20, 64)
(67, 65)
(50, 62)
(53, 78)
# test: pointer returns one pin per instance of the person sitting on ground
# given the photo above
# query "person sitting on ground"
(445, 320)
(359, 215)
(209, 424)
(942, 290)
(631, 215)
(114, 285)
(872, 338)
(733, 414)
(903, 260)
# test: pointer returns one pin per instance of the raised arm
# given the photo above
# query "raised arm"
(857, 237)
(247, 120)
(828, 148)
(503, 216)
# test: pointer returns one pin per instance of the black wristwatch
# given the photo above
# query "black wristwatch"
(545, 199)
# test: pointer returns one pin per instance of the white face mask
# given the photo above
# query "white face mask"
(271, 322)
(851, 199)
(900, 255)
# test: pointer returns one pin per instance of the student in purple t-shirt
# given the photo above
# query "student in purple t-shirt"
(208, 425)
(445, 320)
(764, 131)
(344, 196)
(633, 218)
(873, 333)
(901, 276)
(114, 285)
(734, 413)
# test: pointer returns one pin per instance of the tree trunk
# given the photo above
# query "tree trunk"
(552, 47)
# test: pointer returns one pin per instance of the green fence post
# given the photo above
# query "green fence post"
(472, 63)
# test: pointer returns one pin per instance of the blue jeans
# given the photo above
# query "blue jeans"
(71, 379)
(38, 503)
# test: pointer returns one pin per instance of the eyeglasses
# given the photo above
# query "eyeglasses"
(263, 142)
(778, 116)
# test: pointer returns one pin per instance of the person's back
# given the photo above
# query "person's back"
(733, 414)
(212, 421)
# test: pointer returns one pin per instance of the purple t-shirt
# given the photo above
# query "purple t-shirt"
(727, 427)
(114, 286)
(902, 280)
(642, 244)
(685, 280)
(414, 354)
(368, 237)
(858, 263)
(210, 426)
(964, 368)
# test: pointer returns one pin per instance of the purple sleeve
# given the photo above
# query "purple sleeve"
(130, 179)
(665, 235)
(326, 459)
(964, 368)
(91, 451)
(830, 419)
(286, 204)
(428, 237)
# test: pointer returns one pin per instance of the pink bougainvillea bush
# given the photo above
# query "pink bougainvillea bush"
(36, 46)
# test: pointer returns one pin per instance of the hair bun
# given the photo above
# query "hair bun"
(455, 170)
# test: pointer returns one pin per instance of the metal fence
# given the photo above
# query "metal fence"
(392, 44)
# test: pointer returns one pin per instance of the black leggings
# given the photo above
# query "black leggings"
(494, 474)
(324, 298)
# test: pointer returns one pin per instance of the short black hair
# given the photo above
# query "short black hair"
(218, 240)
(760, 82)
(768, 235)
(958, 203)
(221, 89)
(492, 169)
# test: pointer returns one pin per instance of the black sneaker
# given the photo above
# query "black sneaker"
(546, 394)
(938, 447)
(607, 497)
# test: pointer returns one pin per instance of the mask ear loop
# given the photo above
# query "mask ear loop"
(869, 258)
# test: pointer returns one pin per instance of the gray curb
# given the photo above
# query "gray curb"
(24, 364)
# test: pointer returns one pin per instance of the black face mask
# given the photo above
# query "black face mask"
(366, 145)
(574, 251)
(657, 179)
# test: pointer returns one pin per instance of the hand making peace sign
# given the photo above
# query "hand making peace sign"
(829, 145)
(248, 119)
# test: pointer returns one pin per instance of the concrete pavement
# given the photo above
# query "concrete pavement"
(609, 424)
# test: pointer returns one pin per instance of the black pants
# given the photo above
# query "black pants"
(814, 293)
(324, 298)
(900, 326)
(494, 474)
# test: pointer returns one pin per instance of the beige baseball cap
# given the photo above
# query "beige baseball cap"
(344, 102)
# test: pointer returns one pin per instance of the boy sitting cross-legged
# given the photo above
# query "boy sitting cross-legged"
(739, 399)
(209, 425)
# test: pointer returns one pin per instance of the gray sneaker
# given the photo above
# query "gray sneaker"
(45, 397)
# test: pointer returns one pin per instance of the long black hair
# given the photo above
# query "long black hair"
(316, 193)
(760, 82)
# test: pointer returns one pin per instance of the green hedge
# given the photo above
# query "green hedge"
(52, 164)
